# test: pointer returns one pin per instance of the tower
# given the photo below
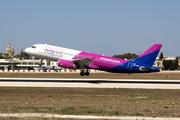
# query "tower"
(8, 49)
(17, 53)
(12, 51)
(21, 51)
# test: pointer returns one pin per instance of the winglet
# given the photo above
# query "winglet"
(149, 56)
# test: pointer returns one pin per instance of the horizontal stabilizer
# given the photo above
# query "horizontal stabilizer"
(145, 68)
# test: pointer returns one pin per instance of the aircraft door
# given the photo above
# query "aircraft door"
(129, 67)
(41, 50)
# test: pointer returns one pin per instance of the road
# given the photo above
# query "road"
(91, 83)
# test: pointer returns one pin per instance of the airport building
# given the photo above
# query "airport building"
(158, 64)
(17, 64)
(53, 63)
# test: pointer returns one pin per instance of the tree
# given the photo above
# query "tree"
(176, 64)
(161, 56)
(1, 56)
(166, 64)
(177, 58)
(170, 64)
(6, 56)
(128, 56)
(23, 55)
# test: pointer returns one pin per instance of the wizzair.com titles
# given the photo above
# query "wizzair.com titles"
(110, 60)
(53, 51)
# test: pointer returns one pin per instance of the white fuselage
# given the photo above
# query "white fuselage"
(50, 52)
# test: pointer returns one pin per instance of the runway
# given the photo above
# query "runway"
(46, 115)
(90, 83)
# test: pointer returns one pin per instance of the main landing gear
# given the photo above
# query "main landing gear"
(40, 64)
(84, 72)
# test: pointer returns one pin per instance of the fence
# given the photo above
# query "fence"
(49, 71)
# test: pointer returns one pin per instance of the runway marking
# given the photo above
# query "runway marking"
(90, 83)
(46, 115)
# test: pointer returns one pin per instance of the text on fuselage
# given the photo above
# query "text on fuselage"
(53, 51)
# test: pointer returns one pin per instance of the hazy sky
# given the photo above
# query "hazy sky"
(99, 26)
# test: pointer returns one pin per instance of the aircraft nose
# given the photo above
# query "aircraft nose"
(27, 50)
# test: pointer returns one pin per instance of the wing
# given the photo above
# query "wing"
(82, 62)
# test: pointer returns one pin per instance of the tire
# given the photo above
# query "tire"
(82, 73)
(87, 73)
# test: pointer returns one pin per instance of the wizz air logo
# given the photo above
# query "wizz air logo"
(53, 51)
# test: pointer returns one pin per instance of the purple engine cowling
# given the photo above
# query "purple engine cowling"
(66, 64)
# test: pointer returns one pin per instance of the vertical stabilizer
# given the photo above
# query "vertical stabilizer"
(149, 56)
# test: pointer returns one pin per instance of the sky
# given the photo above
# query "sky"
(98, 26)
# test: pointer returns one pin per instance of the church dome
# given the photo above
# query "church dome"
(9, 47)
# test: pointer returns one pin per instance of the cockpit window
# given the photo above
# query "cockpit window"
(33, 46)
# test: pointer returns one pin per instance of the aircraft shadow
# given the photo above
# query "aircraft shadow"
(92, 81)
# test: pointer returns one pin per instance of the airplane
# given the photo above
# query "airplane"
(49, 68)
(75, 59)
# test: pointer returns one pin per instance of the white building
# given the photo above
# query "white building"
(168, 58)
(16, 64)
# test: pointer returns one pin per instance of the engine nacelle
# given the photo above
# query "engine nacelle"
(66, 64)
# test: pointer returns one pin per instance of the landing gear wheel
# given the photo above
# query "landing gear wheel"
(82, 73)
(87, 73)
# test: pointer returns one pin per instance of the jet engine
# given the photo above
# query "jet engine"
(66, 64)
